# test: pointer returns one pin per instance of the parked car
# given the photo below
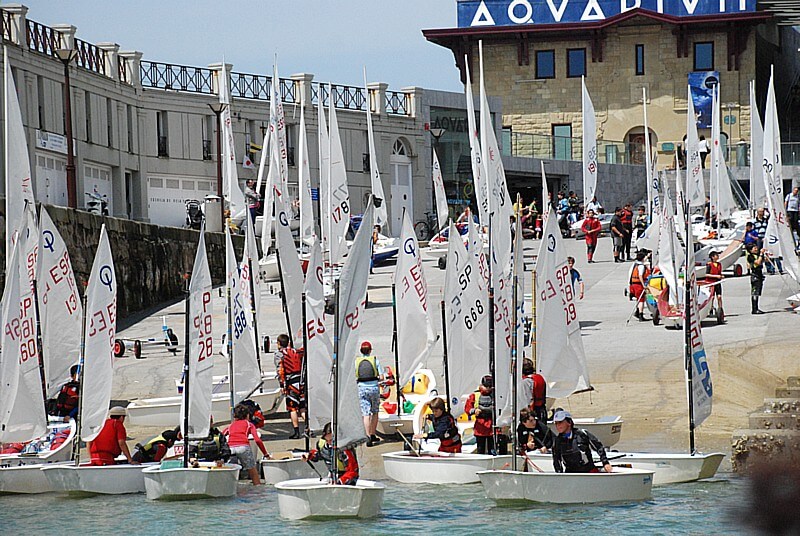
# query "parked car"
(605, 223)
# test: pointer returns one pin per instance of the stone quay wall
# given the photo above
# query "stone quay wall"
(149, 260)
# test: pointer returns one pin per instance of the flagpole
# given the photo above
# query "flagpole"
(444, 353)
(395, 350)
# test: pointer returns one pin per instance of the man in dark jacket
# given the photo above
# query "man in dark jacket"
(572, 447)
(617, 234)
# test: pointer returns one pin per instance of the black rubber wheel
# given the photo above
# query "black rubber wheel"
(442, 263)
(656, 317)
(266, 344)
(720, 316)
(137, 349)
(119, 348)
(738, 270)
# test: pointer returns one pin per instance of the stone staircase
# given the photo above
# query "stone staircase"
(773, 433)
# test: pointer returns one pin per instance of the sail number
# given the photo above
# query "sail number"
(564, 291)
(202, 325)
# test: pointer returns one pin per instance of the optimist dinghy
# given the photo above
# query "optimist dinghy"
(440, 467)
(568, 488)
(175, 482)
(87, 480)
(310, 498)
(19, 473)
(289, 466)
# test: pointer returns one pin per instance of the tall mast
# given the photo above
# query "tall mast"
(186, 381)
(305, 368)
(76, 445)
(687, 332)
(395, 349)
(444, 351)
(335, 419)
(514, 341)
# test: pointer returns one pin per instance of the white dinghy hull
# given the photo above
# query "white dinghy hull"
(667, 468)
(165, 412)
(26, 479)
(293, 468)
(568, 488)
(309, 498)
(96, 480)
(204, 482)
(441, 467)
(389, 425)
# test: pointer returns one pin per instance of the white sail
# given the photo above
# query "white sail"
(201, 346)
(291, 271)
(680, 200)
(559, 350)
(352, 302)
(519, 283)
(589, 146)
(695, 187)
(101, 326)
(466, 315)
(60, 307)
(246, 374)
(652, 181)
(22, 416)
(546, 204)
(250, 259)
(230, 174)
(307, 232)
(476, 155)
(778, 238)
(262, 162)
(18, 166)
(277, 124)
(500, 213)
(411, 305)
(701, 376)
(442, 212)
(324, 146)
(319, 350)
(475, 246)
(381, 216)
(758, 193)
(670, 254)
(722, 201)
(339, 200)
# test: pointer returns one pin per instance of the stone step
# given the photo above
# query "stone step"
(775, 421)
(751, 447)
(787, 392)
(793, 381)
(781, 405)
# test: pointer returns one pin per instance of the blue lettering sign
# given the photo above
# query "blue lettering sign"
(476, 13)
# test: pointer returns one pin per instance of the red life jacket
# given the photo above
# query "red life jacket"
(714, 268)
(291, 366)
(539, 390)
(635, 274)
(67, 398)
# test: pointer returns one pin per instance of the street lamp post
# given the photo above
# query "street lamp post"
(217, 108)
(66, 55)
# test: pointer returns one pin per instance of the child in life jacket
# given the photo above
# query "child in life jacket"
(637, 281)
(346, 461)
(480, 405)
(444, 428)
(66, 402)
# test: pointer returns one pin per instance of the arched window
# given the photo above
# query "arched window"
(399, 148)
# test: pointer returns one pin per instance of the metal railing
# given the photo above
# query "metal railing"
(251, 86)
(122, 71)
(346, 97)
(398, 103)
(177, 77)
(5, 19)
(42, 39)
(90, 57)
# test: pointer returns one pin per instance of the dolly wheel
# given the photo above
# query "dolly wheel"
(656, 317)
(738, 270)
(137, 349)
(119, 348)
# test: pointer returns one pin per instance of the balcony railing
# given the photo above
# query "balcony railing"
(397, 103)
(251, 86)
(43, 39)
(177, 77)
(5, 19)
(347, 97)
(91, 57)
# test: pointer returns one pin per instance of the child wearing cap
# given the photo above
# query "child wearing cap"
(480, 405)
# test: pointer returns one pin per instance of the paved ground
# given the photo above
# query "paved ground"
(636, 368)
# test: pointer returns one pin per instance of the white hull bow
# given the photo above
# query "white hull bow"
(441, 467)
(568, 488)
(179, 483)
(96, 480)
(293, 468)
(310, 498)
(607, 429)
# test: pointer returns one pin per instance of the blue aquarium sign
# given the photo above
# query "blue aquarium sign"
(476, 13)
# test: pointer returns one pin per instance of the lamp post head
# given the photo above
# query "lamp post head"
(437, 133)
(66, 55)
(217, 107)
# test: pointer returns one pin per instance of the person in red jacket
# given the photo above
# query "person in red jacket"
(480, 405)
(591, 228)
(536, 387)
(111, 441)
(239, 433)
(346, 461)
(290, 374)
(714, 275)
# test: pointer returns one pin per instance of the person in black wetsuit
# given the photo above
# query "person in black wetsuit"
(533, 434)
(572, 447)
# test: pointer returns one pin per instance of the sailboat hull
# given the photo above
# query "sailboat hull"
(567, 488)
(440, 467)
(165, 412)
(309, 498)
(25, 479)
(293, 468)
(204, 482)
(607, 429)
(20, 473)
(88, 480)
(666, 468)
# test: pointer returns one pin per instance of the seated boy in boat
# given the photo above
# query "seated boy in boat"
(156, 448)
(444, 427)
(533, 434)
(572, 447)
(346, 461)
